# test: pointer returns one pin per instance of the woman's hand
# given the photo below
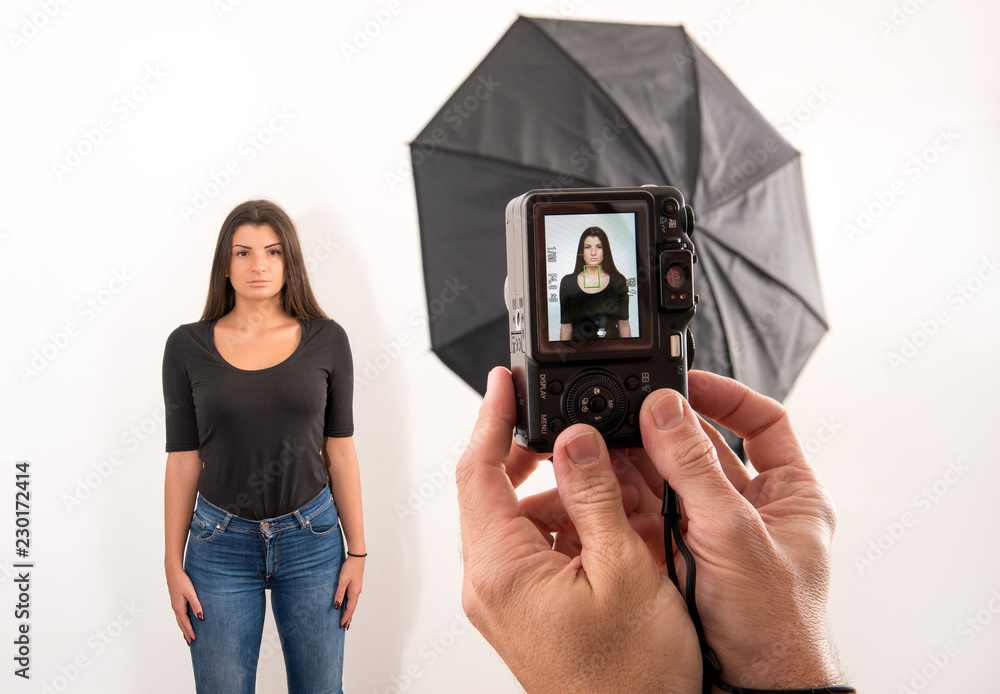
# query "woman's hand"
(182, 594)
(351, 578)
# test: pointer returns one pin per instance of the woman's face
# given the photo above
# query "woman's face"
(256, 263)
(593, 251)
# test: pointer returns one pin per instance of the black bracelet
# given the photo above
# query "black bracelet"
(833, 689)
(359, 556)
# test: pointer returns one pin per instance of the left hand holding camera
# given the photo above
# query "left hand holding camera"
(601, 619)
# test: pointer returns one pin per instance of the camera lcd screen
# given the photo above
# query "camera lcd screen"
(590, 259)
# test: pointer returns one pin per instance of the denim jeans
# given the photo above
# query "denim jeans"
(232, 561)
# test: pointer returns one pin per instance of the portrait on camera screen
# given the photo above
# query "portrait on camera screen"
(590, 265)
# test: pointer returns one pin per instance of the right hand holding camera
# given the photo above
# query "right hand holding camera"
(761, 545)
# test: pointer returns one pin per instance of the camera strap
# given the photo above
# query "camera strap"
(712, 668)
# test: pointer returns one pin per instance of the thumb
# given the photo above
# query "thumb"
(684, 455)
(592, 497)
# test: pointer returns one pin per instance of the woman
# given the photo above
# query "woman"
(259, 425)
(593, 300)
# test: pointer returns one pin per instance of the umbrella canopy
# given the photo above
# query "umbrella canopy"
(564, 104)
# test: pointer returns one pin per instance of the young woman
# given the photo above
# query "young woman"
(259, 425)
(593, 299)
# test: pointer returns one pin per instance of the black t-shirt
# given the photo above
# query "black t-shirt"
(593, 315)
(260, 433)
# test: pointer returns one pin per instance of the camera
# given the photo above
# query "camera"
(600, 299)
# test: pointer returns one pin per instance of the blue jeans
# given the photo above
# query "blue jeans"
(232, 561)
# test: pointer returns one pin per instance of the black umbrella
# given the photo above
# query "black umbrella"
(582, 104)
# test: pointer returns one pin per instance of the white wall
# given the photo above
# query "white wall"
(859, 101)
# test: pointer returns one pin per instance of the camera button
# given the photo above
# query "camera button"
(631, 382)
(555, 387)
(556, 425)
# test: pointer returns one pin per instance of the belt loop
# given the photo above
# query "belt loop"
(303, 523)
(225, 523)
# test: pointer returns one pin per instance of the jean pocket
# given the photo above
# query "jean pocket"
(324, 522)
(203, 529)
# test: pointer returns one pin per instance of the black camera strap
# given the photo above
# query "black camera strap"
(712, 668)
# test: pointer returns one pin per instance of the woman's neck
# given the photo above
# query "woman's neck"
(256, 315)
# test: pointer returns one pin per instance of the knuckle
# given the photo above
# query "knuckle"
(695, 453)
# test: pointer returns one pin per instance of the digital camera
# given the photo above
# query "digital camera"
(600, 298)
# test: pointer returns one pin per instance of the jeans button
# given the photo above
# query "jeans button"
(265, 527)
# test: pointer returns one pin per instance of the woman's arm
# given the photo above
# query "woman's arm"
(180, 489)
(565, 331)
(624, 329)
(345, 482)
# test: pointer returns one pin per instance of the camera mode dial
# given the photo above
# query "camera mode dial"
(597, 399)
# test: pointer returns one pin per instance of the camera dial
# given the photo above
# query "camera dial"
(596, 398)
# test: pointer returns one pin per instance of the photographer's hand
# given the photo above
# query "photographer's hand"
(603, 620)
(761, 545)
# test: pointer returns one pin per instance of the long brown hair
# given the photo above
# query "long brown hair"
(297, 297)
(608, 263)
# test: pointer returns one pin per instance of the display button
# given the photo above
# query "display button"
(555, 387)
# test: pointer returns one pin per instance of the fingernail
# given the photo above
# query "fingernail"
(668, 412)
(200, 616)
(583, 448)
(336, 605)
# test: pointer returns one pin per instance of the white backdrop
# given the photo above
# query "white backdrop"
(131, 129)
